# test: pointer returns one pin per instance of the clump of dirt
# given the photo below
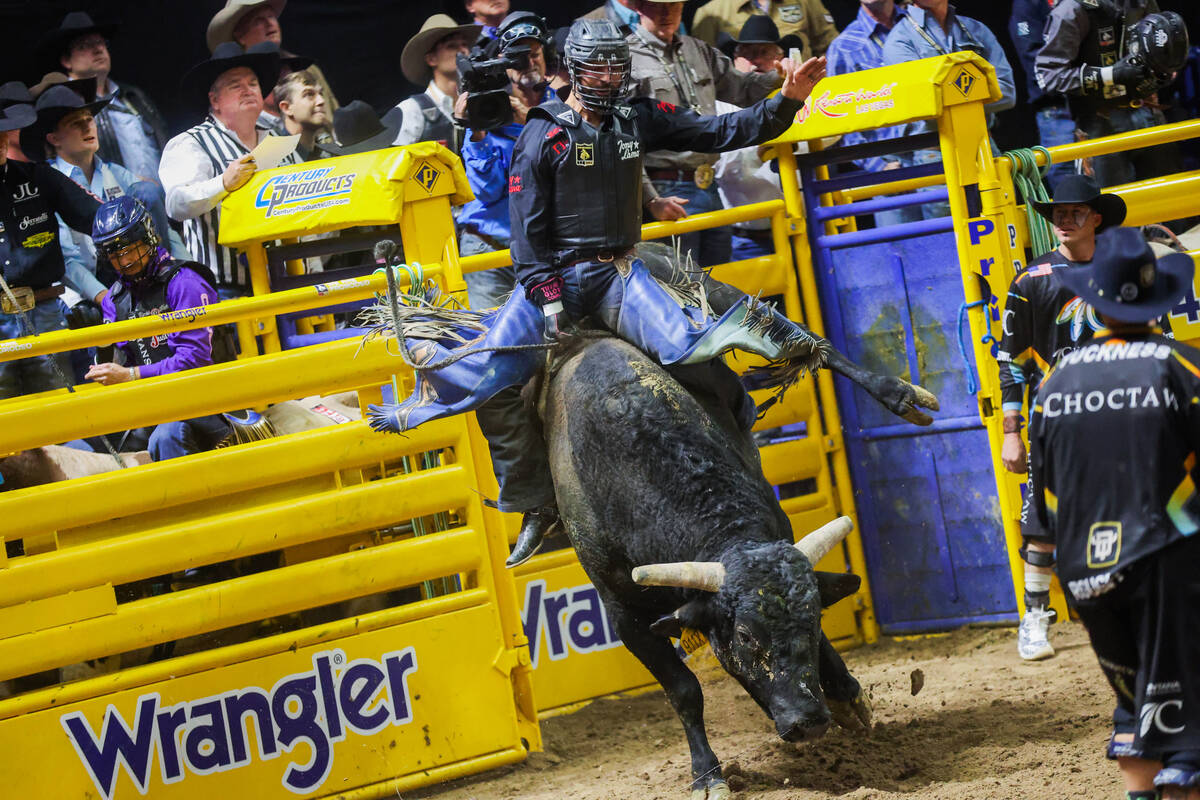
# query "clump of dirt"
(985, 726)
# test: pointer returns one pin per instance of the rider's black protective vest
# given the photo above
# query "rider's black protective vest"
(152, 300)
(1104, 45)
(598, 183)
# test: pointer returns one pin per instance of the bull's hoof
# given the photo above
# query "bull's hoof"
(717, 790)
(854, 715)
(920, 397)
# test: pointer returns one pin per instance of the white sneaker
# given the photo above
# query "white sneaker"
(1032, 642)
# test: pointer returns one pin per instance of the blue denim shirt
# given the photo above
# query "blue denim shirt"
(860, 47)
(139, 151)
(906, 44)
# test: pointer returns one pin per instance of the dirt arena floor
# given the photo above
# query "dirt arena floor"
(983, 726)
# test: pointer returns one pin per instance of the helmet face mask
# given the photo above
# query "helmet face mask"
(598, 62)
(124, 234)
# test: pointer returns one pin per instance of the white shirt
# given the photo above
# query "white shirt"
(413, 121)
(743, 178)
(192, 165)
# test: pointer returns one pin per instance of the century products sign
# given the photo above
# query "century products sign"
(308, 190)
(232, 730)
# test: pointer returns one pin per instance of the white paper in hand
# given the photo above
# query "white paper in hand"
(273, 149)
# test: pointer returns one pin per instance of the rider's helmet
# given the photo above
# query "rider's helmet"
(1160, 40)
(122, 223)
(598, 61)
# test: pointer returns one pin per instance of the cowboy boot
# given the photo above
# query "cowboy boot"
(757, 327)
(535, 524)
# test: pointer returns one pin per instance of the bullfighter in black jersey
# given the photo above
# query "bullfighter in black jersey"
(1114, 435)
(575, 206)
(1043, 319)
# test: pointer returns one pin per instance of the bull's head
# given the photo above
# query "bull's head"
(761, 612)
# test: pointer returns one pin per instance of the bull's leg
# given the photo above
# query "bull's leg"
(683, 691)
(846, 700)
(895, 394)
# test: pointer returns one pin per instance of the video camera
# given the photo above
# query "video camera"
(483, 75)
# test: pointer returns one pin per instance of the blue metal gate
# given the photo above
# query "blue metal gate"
(931, 525)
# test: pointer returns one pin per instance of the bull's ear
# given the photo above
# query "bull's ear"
(833, 586)
(688, 615)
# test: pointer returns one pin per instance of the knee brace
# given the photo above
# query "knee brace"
(1035, 558)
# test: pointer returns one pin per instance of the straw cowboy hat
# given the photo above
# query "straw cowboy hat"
(84, 87)
(220, 27)
(436, 28)
(1125, 281)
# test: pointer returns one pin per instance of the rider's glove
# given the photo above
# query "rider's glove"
(548, 296)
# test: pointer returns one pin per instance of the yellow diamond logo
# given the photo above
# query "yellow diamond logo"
(427, 176)
(964, 81)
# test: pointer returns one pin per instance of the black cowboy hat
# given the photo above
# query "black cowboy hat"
(14, 92)
(263, 59)
(1124, 281)
(19, 116)
(75, 24)
(57, 102)
(758, 29)
(358, 129)
(1082, 190)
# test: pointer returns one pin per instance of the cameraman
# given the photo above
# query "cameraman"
(429, 59)
(522, 38)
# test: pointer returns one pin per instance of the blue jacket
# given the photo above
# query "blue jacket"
(1026, 28)
(486, 163)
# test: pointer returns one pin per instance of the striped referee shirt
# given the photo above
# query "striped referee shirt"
(191, 169)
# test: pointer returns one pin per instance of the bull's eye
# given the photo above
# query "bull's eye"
(743, 635)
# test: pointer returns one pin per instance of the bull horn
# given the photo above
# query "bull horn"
(706, 575)
(817, 544)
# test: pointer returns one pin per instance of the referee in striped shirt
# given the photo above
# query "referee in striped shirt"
(202, 165)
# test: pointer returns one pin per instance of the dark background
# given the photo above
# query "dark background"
(356, 42)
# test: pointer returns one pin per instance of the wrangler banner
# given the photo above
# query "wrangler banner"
(330, 193)
(319, 720)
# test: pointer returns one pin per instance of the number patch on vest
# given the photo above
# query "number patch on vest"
(585, 154)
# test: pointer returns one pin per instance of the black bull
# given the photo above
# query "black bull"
(647, 473)
(663, 497)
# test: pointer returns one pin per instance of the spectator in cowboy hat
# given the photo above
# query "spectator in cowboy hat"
(31, 194)
(249, 22)
(67, 124)
(11, 94)
(429, 60)
(208, 161)
(758, 45)
(1043, 319)
(131, 129)
(358, 129)
(1114, 437)
(34, 144)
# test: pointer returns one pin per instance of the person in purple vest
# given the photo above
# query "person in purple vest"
(151, 283)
